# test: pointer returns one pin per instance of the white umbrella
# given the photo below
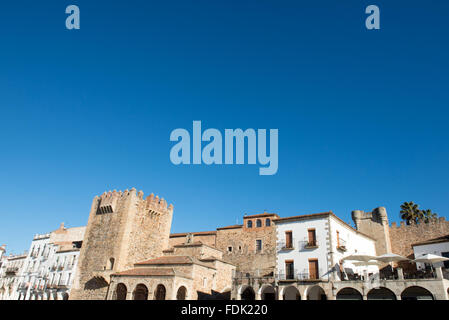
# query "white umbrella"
(366, 263)
(431, 258)
(359, 257)
(391, 257)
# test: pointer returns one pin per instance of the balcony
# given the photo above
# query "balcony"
(285, 246)
(11, 271)
(341, 245)
(308, 244)
(305, 275)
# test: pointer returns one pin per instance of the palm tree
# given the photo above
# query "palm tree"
(410, 212)
(427, 215)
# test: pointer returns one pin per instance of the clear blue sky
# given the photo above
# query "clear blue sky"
(362, 115)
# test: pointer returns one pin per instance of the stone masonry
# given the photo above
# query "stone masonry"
(123, 228)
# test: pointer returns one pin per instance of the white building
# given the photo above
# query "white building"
(313, 246)
(48, 268)
(10, 269)
(438, 246)
(32, 277)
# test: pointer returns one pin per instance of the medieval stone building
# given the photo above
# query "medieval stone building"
(123, 229)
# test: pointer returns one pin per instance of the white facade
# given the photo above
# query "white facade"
(10, 269)
(47, 271)
(334, 240)
(32, 278)
(440, 248)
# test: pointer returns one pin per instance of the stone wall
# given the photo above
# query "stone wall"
(403, 236)
(244, 255)
(123, 228)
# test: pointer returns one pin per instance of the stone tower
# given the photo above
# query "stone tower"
(374, 224)
(123, 229)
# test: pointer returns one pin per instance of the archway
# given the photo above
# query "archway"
(141, 292)
(160, 292)
(416, 293)
(316, 293)
(349, 294)
(65, 296)
(291, 293)
(120, 292)
(248, 294)
(182, 293)
(381, 294)
(267, 293)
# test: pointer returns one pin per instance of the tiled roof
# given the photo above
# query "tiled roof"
(167, 260)
(202, 233)
(147, 272)
(431, 241)
(303, 217)
(261, 215)
(236, 226)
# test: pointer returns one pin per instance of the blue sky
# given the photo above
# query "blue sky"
(362, 115)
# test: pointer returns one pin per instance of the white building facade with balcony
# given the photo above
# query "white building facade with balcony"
(311, 247)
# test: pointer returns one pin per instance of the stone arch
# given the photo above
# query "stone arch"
(349, 294)
(160, 292)
(316, 293)
(247, 293)
(182, 293)
(140, 292)
(267, 292)
(291, 293)
(381, 293)
(416, 293)
(120, 292)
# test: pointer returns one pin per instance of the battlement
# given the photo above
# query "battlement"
(378, 215)
(109, 201)
(413, 224)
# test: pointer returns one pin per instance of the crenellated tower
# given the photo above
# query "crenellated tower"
(374, 224)
(123, 229)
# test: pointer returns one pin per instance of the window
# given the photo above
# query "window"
(267, 222)
(258, 223)
(312, 238)
(249, 224)
(111, 264)
(289, 269)
(288, 239)
(229, 249)
(338, 239)
(258, 245)
(313, 269)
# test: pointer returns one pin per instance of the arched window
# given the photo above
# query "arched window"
(258, 223)
(267, 222)
(249, 224)
(111, 264)
(182, 293)
(160, 292)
